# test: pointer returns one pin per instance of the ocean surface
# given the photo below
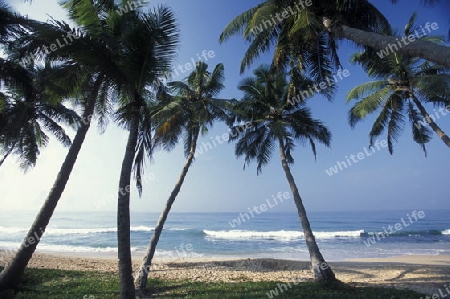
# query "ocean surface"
(340, 235)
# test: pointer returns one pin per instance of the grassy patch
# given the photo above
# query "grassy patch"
(59, 284)
(187, 289)
(56, 284)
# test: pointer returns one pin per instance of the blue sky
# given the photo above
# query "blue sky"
(216, 181)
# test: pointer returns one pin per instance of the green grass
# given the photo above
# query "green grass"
(44, 283)
(59, 284)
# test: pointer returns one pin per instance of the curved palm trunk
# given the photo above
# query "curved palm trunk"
(141, 279)
(6, 155)
(321, 270)
(11, 275)
(123, 214)
(418, 48)
(430, 121)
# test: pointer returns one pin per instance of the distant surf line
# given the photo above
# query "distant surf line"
(398, 227)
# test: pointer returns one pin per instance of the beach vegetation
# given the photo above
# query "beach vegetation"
(64, 284)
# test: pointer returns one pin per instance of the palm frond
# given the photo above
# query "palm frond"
(56, 130)
(364, 89)
(238, 24)
(396, 122)
(421, 133)
(368, 105)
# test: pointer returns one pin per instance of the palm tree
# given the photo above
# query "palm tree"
(401, 87)
(87, 83)
(135, 49)
(275, 121)
(150, 49)
(10, 276)
(189, 113)
(12, 25)
(125, 54)
(12, 76)
(28, 112)
(310, 33)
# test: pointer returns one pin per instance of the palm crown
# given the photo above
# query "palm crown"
(402, 84)
(12, 25)
(302, 39)
(265, 105)
(192, 109)
(30, 112)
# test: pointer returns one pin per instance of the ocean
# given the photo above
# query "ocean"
(340, 235)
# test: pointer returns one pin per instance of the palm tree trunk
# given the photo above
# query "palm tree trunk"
(123, 214)
(417, 48)
(10, 277)
(430, 121)
(7, 154)
(320, 269)
(141, 279)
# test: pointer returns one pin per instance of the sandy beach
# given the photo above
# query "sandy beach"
(425, 274)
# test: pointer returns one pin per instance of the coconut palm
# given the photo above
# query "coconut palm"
(10, 276)
(141, 48)
(67, 79)
(12, 25)
(189, 113)
(88, 85)
(13, 77)
(151, 46)
(277, 123)
(306, 36)
(127, 53)
(29, 113)
(403, 84)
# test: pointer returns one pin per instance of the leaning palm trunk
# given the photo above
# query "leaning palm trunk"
(141, 279)
(6, 155)
(419, 48)
(123, 214)
(430, 121)
(321, 270)
(11, 275)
